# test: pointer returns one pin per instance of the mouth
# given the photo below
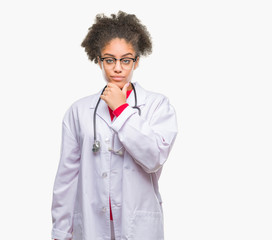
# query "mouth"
(117, 78)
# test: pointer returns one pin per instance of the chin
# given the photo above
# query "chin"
(119, 84)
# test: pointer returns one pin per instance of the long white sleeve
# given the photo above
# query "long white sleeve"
(65, 185)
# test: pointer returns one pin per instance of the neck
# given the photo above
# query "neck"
(129, 87)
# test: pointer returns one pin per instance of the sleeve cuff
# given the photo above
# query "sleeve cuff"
(119, 110)
(57, 234)
(120, 121)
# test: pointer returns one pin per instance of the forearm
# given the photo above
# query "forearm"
(149, 144)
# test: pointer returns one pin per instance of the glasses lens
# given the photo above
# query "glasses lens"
(127, 63)
(109, 63)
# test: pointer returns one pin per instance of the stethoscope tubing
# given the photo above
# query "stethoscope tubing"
(95, 110)
(135, 97)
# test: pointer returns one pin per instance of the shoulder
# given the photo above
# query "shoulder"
(151, 96)
(84, 101)
(155, 103)
(80, 105)
(156, 96)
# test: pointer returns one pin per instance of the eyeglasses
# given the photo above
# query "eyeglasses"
(110, 62)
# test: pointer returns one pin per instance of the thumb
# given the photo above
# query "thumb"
(124, 89)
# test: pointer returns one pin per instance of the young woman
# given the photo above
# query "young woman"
(114, 144)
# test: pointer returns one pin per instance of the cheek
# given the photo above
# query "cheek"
(128, 73)
(107, 72)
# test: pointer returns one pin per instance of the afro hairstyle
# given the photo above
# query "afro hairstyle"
(123, 26)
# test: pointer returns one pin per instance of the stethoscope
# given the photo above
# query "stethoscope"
(96, 145)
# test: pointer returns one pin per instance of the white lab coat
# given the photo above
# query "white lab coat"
(85, 180)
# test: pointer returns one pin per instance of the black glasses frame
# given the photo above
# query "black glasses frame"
(115, 59)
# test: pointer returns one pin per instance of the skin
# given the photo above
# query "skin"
(115, 92)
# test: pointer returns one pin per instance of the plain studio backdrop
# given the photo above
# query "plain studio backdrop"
(211, 58)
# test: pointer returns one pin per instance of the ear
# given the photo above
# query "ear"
(99, 62)
(137, 63)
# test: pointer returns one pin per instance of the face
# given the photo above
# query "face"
(118, 73)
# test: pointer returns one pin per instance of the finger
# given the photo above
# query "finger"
(106, 91)
(124, 90)
(103, 97)
(110, 85)
(113, 86)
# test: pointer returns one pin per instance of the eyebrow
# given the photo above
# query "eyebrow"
(122, 55)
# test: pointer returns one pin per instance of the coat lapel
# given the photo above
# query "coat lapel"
(141, 96)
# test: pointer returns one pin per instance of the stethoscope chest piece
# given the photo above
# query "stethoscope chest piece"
(96, 146)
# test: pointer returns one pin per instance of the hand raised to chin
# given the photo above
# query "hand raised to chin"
(114, 96)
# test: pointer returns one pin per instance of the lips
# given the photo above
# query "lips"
(117, 78)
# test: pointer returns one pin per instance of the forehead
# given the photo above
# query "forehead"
(118, 47)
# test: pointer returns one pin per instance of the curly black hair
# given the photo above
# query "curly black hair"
(124, 26)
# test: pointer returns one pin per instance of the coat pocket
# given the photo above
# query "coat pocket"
(77, 227)
(146, 225)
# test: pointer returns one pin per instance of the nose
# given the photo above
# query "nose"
(118, 67)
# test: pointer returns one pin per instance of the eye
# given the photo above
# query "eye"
(126, 61)
(109, 60)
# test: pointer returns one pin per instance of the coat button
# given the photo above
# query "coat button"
(104, 175)
(104, 209)
(107, 140)
(119, 153)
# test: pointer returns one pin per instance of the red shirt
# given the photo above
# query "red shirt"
(113, 114)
